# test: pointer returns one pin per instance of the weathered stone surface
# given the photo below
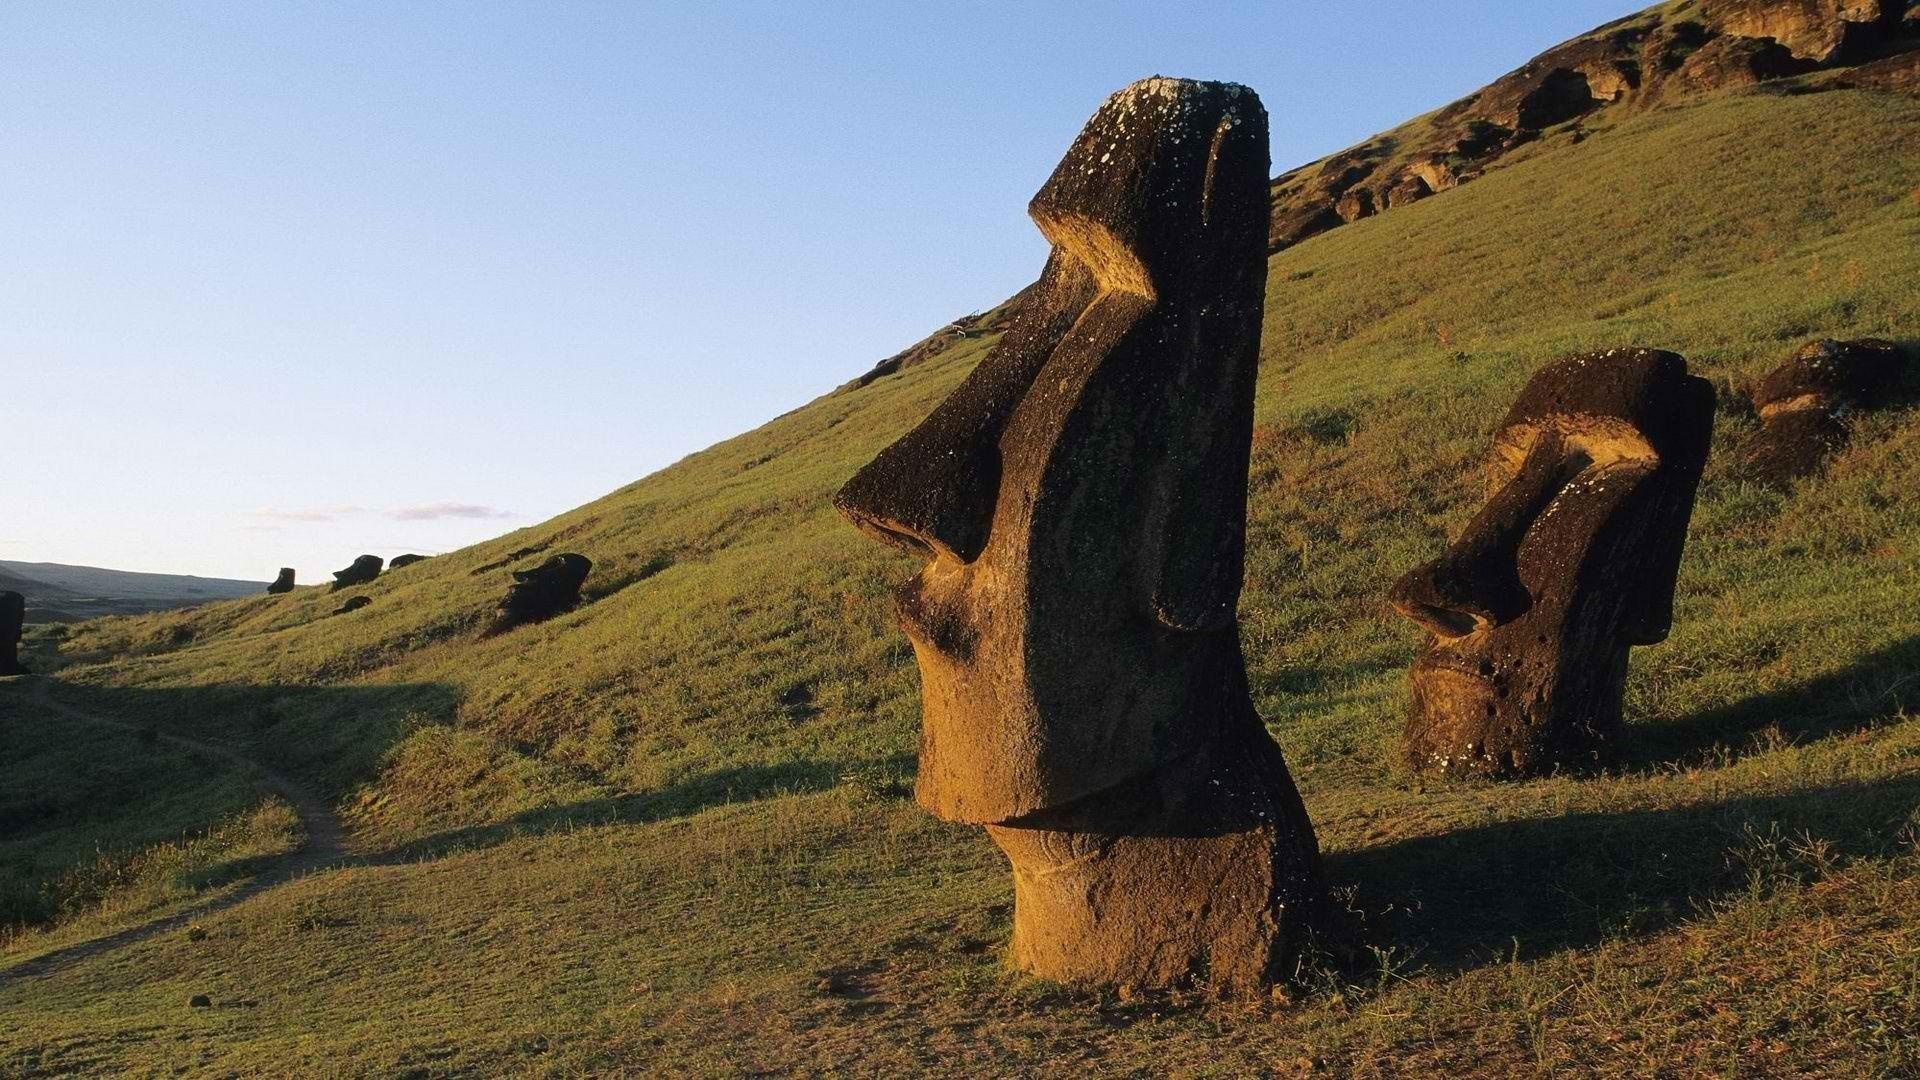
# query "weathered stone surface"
(544, 591)
(13, 619)
(1816, 30)
(399, 561)
(1080, 503)
(364, 569)
(1804, 404)
(1740, 61)
(1571, 562)
(283, 583)
(352, 603)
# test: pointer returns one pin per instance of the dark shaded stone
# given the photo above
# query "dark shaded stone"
(283, 583)
(543, 592)
(199, 1001)
(13, 620)
(1080, 501)
(1804, 404)
(1740, 61)
(364, 569)
(1571, 562)
(399, 561)
(353, 603)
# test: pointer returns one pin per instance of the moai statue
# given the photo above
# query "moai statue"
(1080, 503)
(399, 561)
(1571, 562)
(364, 569)
(283, 583)
(352, 604)
(13, 619)
(1804, 404)
(543, 592)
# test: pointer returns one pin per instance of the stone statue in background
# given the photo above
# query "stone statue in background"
(13, 620)
(364, 569)
(1080, 503)
(399, 561)
(543, 592)
(283, 583)
(1804, 404)
(1571, 562)
(352, 604)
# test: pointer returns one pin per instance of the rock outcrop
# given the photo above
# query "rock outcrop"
(1572, 561)
(364, 569)
(13, 620)
(543, 592)
(283, 583)
(1080, 503)
(1642, 61)
(1804, 404)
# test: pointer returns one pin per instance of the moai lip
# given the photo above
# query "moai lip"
(1804, 405)
(1080, 505)
(1571, 562)
(13, 619)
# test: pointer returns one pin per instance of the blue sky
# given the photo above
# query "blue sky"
(282, 283)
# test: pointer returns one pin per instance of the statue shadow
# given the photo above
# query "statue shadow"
(1538, 886)
(1878, 684)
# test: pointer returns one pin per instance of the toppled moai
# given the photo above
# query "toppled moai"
(399, 561)
(283, 583)
(364, 569)
(1571, 562)
(13, 620)
(1805, 404)
(543, 592)
(353, 603)
(1080, 504)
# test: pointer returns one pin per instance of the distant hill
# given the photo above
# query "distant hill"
(57, 592)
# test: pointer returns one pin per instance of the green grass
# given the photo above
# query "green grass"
(648, 833)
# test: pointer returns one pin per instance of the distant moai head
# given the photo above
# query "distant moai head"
(364, 569)
(1079, 503)
(283, 583)
(1804, 404)
(399, 561)
(544, 591)
(1571, 562)
(1080, 500)
(13, 619)
(352, 604)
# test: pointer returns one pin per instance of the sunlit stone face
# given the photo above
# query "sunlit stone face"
(1571, 562)
(1080, 499)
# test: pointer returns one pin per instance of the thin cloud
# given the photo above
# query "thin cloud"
(310, 514)
(437, 511)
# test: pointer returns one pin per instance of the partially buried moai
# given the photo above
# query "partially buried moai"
(1571, 563)
(1805, 404)
(283, 583)
(13, 619)
(362, 570)
(543, 592)
(1080, 501)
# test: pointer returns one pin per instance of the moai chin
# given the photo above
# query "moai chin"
(13, 618)
(1571, 562)
(1080, 502)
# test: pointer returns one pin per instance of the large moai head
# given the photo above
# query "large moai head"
(282, 583)
(543, 592)
(364, 569)
(1805, 404)
(1571, 562)
(13, 619)
(1079, 503)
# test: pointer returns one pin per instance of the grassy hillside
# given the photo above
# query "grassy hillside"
(667, 828)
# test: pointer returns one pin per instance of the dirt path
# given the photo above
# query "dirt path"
(325, 845)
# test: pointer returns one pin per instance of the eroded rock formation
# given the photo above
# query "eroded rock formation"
(13, 619)
(1080, 503)
(283, 583)
(543, 592)
(1571, 562)
(364, 569)
(1804, 404)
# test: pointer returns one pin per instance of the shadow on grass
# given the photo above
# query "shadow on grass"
(1870, 689)
(722, 787)
(1476, 895)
